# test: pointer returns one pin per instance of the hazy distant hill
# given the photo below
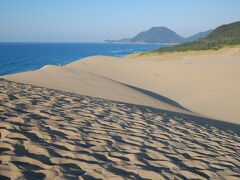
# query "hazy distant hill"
(228, 34)
(158, 35)
(199, 36)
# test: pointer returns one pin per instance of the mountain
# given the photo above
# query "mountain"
(198, 36)
(153, 35)
(158, 35)
(228, 34)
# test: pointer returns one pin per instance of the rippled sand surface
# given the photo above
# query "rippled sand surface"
(51, 134)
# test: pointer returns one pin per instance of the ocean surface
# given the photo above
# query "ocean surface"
(20, 57)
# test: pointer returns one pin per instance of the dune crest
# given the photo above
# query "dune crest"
(88, 83)
(205, 82)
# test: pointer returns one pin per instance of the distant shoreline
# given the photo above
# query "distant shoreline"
(144, 43)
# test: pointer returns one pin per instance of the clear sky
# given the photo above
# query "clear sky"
(97, 20)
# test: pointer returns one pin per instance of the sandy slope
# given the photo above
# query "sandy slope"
(87, 83)
(206, 82)
(50, 134)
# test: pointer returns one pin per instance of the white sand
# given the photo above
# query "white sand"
(205, 82)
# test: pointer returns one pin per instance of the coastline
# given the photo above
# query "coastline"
(14, 59)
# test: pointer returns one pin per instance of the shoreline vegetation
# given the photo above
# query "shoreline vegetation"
(168, 52)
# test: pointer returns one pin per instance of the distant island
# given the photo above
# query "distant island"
(160, 35)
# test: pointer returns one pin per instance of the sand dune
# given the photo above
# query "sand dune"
(206, 82)
(50, 134)
(107, 118)
(88, 83)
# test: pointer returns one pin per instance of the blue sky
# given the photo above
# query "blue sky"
(97, 20)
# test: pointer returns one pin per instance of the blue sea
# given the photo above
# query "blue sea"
(20, 57)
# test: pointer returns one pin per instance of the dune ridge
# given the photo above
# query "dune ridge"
(46, 133)
(204, 82)
(91, 84)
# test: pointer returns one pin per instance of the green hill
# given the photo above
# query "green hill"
(224, 35)
(158, 35)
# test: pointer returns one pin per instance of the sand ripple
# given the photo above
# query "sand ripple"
(51, 134)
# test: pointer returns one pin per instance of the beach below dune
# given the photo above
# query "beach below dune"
(205, 82)
(47, 134)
